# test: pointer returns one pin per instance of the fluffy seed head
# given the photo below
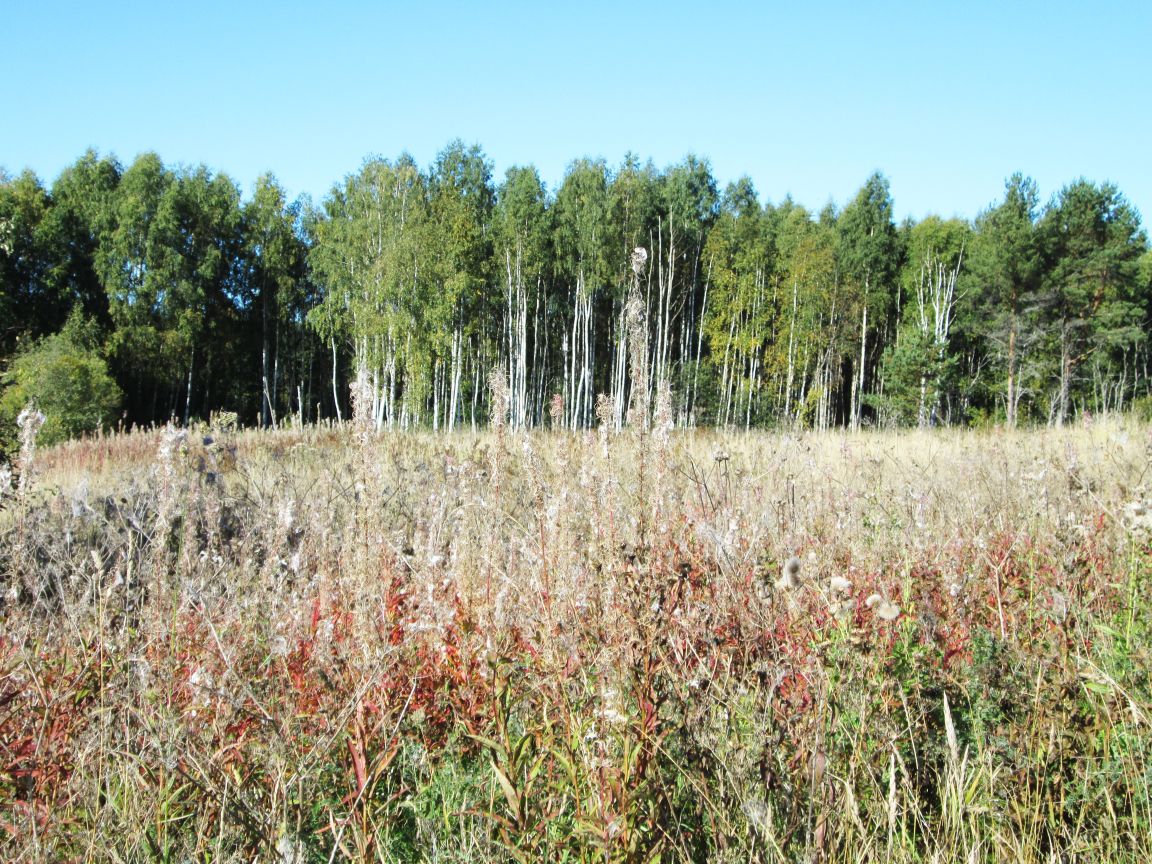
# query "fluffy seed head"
(789, 574)
(887, 610)
(883, 608)
(639, 260)
(501, 401)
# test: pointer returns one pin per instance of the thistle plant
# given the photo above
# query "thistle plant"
(172, 443)
(29, 421)
(500, 406)
(637, 322)
(500, 402)
(789, 574)
(605, 415)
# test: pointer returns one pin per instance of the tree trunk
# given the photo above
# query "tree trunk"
(188, 395)
(335, 388)
(1010, 412)
(858, 391)
(791, 350)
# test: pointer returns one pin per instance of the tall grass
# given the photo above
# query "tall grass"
(322, 644)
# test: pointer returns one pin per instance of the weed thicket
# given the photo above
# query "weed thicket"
(323, 644)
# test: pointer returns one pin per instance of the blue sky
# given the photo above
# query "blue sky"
(946, 98)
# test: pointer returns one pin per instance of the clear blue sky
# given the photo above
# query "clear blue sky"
(946, 98)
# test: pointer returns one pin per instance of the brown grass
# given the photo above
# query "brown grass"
(307, 646)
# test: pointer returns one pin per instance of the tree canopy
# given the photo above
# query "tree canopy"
(161, 292)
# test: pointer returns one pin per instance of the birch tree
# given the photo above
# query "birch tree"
(521, 231)
(816, 328)
(459, 243)
(634, 204)
(368, 256)
(584, 244)
(689, 205)
(869, 256)
(919, 364)
(742, 315)
(275, 259)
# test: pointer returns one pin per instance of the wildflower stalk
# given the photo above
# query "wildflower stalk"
(637, 322)
(29, 421)
(498, 417)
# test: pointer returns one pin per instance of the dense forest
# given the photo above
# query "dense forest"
(146, 293)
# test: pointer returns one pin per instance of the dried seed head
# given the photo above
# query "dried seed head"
(789, 574)
(362, 393)
(501, 399)
(606, 415)
(663, 421)
(639, 260)
(839, 584)
(758, 814)
(29, 419)
(844, 608)
(605, 409)
(882, 608)
(887, 610)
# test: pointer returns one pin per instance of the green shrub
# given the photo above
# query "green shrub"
(67, 378)
(1142, 408)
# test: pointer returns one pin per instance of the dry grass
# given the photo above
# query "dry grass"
(320, 645)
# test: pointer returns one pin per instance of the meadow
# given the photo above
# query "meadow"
(324, 643)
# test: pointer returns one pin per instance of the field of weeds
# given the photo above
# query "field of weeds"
(324, 644)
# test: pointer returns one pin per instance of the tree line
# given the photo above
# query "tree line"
(147, 293)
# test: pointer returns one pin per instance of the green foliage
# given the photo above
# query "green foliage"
(1142, 408)
(920, 366)
(428, 279)
(1089, 303)
(370, 253)
(582, 227)
(66, 377)
(869, 245)
(742, 315)
(633, 196)
(29, 249)
(1006, 265)
(275, 283)
(521, 226)
(910, 364)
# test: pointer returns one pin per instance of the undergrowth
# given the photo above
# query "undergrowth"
(326, 644)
